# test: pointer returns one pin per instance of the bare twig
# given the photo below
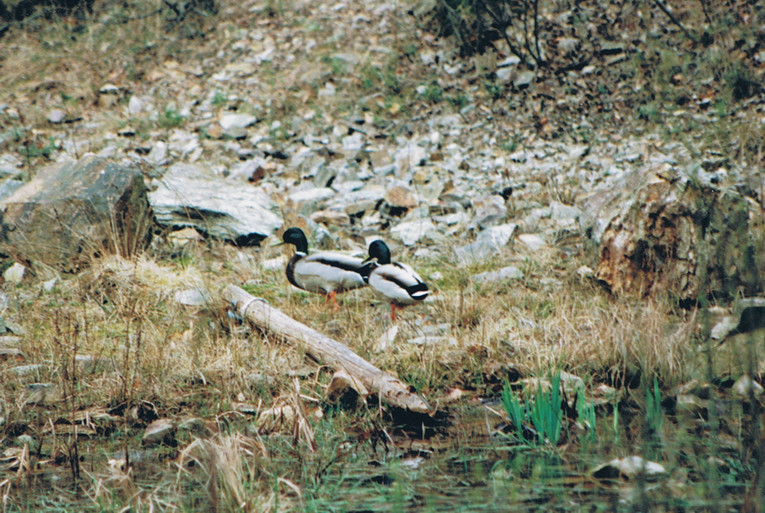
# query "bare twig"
(706, 11)
(674, 20)
(502, 24)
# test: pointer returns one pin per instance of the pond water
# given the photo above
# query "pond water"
(471, 463)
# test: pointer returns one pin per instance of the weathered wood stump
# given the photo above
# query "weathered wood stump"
(71, 213)
(667, 231)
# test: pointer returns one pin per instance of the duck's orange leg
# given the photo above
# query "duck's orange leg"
(393, 312)
(334, 301)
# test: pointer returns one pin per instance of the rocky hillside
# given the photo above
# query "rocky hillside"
(332, 94)
(369, 120)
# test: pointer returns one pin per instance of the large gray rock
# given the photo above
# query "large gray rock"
(75, 211)
(235, 211)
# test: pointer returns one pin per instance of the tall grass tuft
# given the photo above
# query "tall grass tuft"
(231, 466)
(585, 414)
(513, 407)
(544, 412)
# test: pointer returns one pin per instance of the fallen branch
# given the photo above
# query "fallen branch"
(324, 349)
(674, 20)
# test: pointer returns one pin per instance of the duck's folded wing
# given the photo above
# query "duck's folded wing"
(337, 260)
(398, 283)
(328, 274)
(408, 269)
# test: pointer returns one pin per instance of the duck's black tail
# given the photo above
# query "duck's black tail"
(418, 292)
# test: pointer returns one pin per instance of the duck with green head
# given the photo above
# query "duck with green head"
(398, 283)
(325, 272)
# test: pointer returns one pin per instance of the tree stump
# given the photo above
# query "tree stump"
(667, 231)
(71, 213)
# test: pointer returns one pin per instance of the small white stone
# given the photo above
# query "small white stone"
(722, 328)
(56, 116)
(506, 273)
(161, 430)
(353, 142)
(510, 61)
(505, 74)
(632, 465)
(746, 385)
(109, 89)
(386, 339)
(629, 467)
(311, 194)
(158, 153)
(532, 241)
(136, 105)
(15, 273)
(433, 340)
(228, 121)
(328, 90)
(193, 297)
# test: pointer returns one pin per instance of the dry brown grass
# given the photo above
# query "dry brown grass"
(234, 472)
(59, 69)
(536, 326)
(194, 360)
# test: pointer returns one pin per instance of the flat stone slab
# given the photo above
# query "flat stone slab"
(488, 243)
(189, 195)
(410, 232)
(161, 431)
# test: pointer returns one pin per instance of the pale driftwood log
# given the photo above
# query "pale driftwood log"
(325, 349)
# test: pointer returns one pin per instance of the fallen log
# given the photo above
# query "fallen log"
(325, 350)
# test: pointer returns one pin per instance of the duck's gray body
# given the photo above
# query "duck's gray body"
(398, 283)
(325, 272)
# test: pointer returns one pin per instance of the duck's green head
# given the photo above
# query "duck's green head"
(296, 237)
(379, 251)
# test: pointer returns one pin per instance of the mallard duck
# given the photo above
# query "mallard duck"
(325, 272)
(397, 282)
